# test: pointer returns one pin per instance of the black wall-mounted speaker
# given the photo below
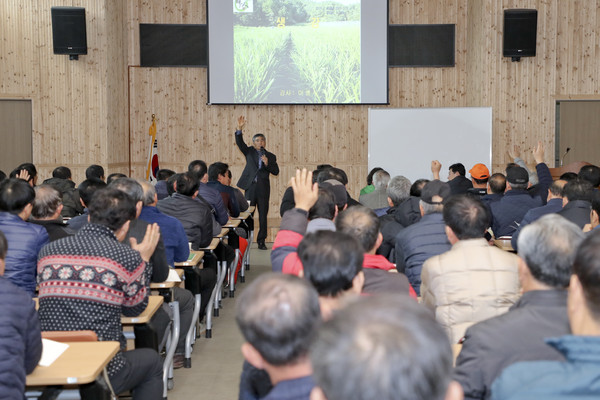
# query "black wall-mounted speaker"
(520, 28)
(68, 31)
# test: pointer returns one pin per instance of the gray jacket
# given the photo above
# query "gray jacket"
(494, 344)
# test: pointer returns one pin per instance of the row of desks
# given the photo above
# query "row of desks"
(70, 368)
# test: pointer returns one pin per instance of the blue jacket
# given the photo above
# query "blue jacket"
(25, 240)
(20, 339)
(553, 206)
(213, 197)
(177, 248)
(417, 243)
(576, 378)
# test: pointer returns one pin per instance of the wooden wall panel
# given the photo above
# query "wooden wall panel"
(72, 108)
(83, 110)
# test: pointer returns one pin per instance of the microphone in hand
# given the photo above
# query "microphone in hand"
(262, 151)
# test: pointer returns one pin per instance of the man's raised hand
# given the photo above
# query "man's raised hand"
(147, 246)
(241, 122)
(305, 192)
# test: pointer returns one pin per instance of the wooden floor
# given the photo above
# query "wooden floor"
(217, 362)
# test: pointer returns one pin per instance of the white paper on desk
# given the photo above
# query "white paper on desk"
(173, 277)
(51, 350)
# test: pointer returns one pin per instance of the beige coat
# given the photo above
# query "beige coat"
(471, 282)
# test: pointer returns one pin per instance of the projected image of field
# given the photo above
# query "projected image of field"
(308, 52)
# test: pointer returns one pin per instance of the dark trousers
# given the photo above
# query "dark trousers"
(258, 194)
(202, 281)
(142, 374)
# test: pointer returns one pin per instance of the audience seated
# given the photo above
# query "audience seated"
(418, 242)
(546, 253)
(370, 187)
(161, 184)
(496, 189)
(577, 376)
(200, 281)
(457, 181)
(20, 338)
(61, 181)
(358, 221)
(95, 171)
(510, 210)
(86, 190)
(195, 216)
(398, 191)
(382, 347)
(91, 263)
(377, 199)
(217, 176)
(46, 211)
(576, 202)
(554, 204)
(362, 223)
(25, 239)
(479, 177)
(208, 195)
(473, 280)
(590, 173)
(278, 316)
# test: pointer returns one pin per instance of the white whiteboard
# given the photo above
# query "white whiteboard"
(404, 141)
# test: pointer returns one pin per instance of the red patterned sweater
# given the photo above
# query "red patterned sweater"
(88, 281)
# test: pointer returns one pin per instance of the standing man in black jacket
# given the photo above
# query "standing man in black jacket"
(255, 177)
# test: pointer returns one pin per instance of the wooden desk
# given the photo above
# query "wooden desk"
(504, 244)
(213, 244)
(194, 259)
(243, 215)
(224, 231)
(251, 209)
(232, 223)
(81, 363)
(167, 284)
(154, 302)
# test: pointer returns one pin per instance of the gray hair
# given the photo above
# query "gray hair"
(548, 247)
(149, 192)
(384, 347)
(129, 186)
(431, 208)
(398, 189)
(381, 179)
(46, 202)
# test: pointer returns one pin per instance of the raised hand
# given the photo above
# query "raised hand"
(241, 122)
(305, 192)
(147, 246)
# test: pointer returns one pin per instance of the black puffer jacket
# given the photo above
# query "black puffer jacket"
(70, 196)
(196, 218)
(20, 339)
